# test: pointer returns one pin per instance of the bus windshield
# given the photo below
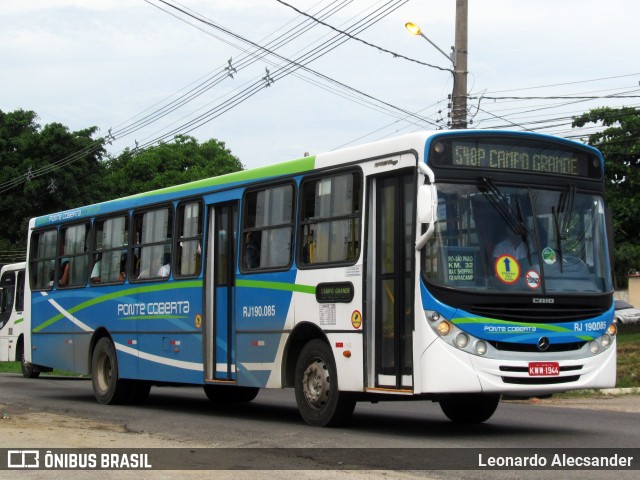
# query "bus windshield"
(518, 240)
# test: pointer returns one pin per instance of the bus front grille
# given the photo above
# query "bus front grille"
(533, 348)
(540, 380)
(528, 313)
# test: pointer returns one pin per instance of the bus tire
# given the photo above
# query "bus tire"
(469, 407)
(320, 403)
(28, 370)
(107, 387)
(230, 394)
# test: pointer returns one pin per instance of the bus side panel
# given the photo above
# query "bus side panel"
(52, 333)
(167, 357)
(263, 313)
(158, 332)
(260, 359)
(340, 320)
(5, 348)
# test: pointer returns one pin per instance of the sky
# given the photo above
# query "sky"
(128, 67)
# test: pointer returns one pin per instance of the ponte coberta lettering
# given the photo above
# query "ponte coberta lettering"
(153, 308)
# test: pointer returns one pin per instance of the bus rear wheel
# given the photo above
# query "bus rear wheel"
(107, 387)
(320, 403)
(230, 394)
(469, 408)
(28, 370)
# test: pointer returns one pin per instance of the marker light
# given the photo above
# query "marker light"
(444, 328)
(612, 330)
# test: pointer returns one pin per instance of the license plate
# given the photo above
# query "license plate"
(544, 369)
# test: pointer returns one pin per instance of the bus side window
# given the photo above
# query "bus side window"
(6, 298)
(152, 244)
(110, 251)
(19, 307)
(267, 232)
(74, 256)
(330, 224)
(42, 257)
(189, 240)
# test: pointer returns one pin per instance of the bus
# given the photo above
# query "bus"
(450, 266)
(12, 324)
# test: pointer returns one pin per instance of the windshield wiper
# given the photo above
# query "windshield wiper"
(499, 202)
(514, 220)
(565, 207)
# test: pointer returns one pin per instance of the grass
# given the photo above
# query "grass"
(14, 367)
(628, 360)
(629, 356)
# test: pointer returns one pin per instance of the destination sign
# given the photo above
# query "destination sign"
(506, 155)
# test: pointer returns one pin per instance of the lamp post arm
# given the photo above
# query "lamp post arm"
(451, 57)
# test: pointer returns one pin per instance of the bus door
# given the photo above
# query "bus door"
(390, 257)
(220, 341)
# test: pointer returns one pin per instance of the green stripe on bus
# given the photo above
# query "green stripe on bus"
(18, 320)
(290, 287)
(493, 321)
(122, 293)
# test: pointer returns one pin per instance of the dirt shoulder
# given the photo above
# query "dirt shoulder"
(44, 430)
(618, 400)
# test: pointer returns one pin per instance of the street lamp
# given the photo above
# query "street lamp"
(458, 58)
(414, 29)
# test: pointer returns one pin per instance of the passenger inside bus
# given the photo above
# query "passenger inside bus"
(252, 252)
(64, 269)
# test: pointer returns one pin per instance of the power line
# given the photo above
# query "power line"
(352, 37)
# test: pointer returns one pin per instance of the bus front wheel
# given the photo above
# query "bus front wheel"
(107, 387)
(469, 408)
(320, 403)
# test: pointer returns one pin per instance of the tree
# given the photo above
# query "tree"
(166, 165)
(619, 142)
(43, 170)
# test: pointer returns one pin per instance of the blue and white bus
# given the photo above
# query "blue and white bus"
(451, 266)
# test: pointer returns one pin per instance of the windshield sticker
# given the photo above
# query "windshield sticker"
(507, 269)
(532, 279)
(549, 256)
(461, 265)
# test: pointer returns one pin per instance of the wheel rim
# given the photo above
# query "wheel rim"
(316, 384)
(104, 372)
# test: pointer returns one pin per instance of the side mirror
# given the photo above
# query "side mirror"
(427, 204)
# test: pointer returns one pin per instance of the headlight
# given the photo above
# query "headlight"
(594, 347)
(481, 347)
(456, 337)
(462, 340)
(605, 340)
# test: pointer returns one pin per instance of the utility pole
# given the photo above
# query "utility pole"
(459, 95)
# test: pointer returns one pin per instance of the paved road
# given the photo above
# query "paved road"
(185, 415)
